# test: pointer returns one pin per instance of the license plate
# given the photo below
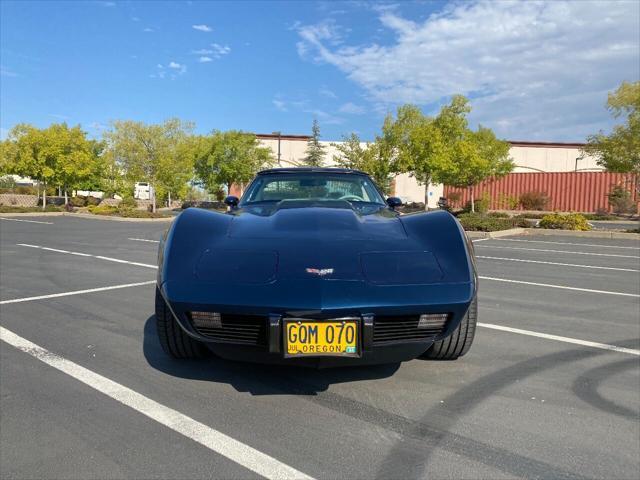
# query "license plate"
(321, 338)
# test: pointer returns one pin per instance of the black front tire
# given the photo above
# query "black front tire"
(459, 342)
(174, 341)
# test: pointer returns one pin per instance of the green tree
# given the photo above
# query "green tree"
(24, 154)
(620, 150)
(154, 153)
(225, 158)
(315, 150)
(75, 159)
(478, 156)
(468, 157)
(443, 149)
(372, 158)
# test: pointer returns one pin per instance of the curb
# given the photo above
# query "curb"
(498, 234)
(116, 219)
(32, 214)
(577, 233)
(86, 216)
(565, 233)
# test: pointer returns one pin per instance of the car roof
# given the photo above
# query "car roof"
(272, 171)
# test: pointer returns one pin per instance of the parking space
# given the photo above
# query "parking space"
(556, 401)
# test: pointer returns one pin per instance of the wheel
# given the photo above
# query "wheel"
(173, 340)
(459, 342)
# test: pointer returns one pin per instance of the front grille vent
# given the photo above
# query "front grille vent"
(229, 328)
(403, 328)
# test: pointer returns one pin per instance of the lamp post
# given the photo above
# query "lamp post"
(279, 137)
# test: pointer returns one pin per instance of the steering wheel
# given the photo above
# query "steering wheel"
(349, 198)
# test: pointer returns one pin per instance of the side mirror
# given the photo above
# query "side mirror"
(394, 202)
(231, 201)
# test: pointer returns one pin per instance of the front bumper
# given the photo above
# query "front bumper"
(376, 348)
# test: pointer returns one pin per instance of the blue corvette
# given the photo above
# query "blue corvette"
(312, 266)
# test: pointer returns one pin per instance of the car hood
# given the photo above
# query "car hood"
(337, 242)
(328, 221)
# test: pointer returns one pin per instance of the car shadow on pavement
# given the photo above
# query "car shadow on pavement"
(256, 379)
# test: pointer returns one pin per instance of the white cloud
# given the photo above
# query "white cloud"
(107, 4)
(6, 72)
(325, 92)
(205, 59)
(324, 117)
(220, 50)
(202, 51)
(148, 29)
(178, 66)
(352, 109)
(202, 28)
(280, 105)
(535, 70)
(135, 19)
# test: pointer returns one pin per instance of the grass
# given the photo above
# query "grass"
(11, 209)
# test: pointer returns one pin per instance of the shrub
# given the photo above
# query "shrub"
(133, 213)
(485, 223)
(11, 209)
(454, 197)
(621, 200)
(78, 201)
(103, 210)
(570, 221)
(69, 207)
(7, 184)
(508, 202)
(211, 205)
(536, 216)
(26, 190)
(534, 200)
(52, 208)
(498, 214)
(481, 205)
(128, 202)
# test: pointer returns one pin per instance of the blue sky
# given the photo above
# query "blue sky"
(534, 70)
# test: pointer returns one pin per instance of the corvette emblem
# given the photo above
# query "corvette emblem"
(321, 272)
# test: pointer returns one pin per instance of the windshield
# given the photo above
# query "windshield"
(312, 186)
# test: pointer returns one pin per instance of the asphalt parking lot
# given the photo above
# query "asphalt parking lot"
(550, 388)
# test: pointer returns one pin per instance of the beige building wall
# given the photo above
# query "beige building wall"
(528, 157)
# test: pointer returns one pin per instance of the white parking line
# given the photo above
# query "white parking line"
(556, 263)
(216, 441)
(76, 292)
(99, 257)
(563, 287)
(558, 338)
(564, 243)
(144, 240)
(28, 221)
(560, 251)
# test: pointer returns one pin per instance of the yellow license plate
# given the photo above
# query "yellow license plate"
(319, 338)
